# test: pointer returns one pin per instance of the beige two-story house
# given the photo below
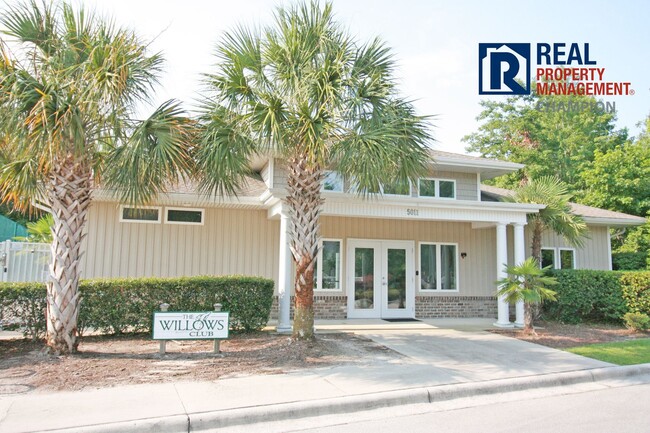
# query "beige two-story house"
(432, 249)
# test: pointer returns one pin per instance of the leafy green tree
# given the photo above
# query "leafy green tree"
(528, 283)
(620, 178)
(538, 131)
(68, 93)
(39, 230)
(21, 216)
(305, 91)
(556, 216)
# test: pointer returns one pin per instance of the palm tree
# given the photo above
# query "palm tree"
(303, 90)
(39, 230)
(69, 87)
(556, 216)
(526, 282)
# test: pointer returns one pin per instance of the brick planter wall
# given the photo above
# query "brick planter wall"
(428, 307)
(325, 307)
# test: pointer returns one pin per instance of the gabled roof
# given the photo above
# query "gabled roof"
(591, 215)
(488, 168)
(253, 186)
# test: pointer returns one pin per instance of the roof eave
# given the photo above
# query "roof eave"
(614, 222)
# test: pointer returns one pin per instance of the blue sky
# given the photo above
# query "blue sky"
(435, 44)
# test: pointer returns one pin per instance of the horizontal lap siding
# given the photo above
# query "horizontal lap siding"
(230, 242)
(477, 272)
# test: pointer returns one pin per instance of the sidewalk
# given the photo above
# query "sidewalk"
(427, 373)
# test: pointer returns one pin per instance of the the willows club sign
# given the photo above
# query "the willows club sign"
(208, 325)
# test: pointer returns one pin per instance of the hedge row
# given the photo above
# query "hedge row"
(126, 305)
(630, 261)
(600, 296)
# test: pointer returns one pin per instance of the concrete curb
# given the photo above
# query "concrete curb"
(356, 403)
(362, 402)
(167, 424)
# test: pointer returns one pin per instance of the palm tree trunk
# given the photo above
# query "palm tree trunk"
(536, 244)
(304, 202)
(528, 319)
(68, 193)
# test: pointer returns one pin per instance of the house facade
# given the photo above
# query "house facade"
(431, 249)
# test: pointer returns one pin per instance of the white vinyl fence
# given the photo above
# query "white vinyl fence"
(24, 261)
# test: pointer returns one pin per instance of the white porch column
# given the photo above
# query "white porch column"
(503, 319)
(284, 277)
(520, 256)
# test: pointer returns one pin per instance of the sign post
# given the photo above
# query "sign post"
(163, 343)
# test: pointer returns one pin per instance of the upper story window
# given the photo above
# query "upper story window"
(145, 214)
(184, 216)
(333, 181)
(398, 188)
(401, 188)
(438, 188)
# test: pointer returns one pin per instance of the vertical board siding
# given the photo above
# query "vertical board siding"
(230, 242)
(466, 183)
(477, 272)
(279, 174)
(266, 174)
(594, 253)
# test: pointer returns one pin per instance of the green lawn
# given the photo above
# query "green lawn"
(619, 352)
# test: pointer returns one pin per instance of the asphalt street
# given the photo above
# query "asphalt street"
(613, 410)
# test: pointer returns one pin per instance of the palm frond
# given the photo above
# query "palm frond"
(223, 152)
(155, 156)
(391, 146)
(557, 215)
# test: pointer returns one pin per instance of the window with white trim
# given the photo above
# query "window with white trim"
(437, 188)
(567, 258)
(327, 270)
(398, 188)
(559, 258)
(144, 214)
(438, 267)
(548, 257)
(179, 215)
(333, 181)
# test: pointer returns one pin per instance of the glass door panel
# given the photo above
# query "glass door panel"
(364, 278)
(396, 278)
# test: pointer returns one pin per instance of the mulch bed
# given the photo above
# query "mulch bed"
(563, 336)
(133, 359)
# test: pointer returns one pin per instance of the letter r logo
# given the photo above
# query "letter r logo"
(503, 69)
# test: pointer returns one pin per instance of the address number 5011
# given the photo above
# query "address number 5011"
(412, 212)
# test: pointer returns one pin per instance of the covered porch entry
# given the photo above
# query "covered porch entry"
(382, 270)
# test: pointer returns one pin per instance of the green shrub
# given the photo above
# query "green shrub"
(587, 295)
(637, 321)
(22, 306)
(126, 305)
(636, 291)
(629, 261)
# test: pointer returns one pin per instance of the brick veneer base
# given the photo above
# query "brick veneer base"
(427, 307)
(325, 307)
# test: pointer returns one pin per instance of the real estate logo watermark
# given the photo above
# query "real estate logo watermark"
(560, 69)
(577, 107)
(503, 68)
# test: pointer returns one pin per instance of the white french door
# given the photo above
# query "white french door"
(381, 279)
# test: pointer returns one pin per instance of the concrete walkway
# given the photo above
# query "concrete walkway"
(435, 355)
